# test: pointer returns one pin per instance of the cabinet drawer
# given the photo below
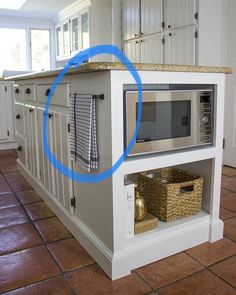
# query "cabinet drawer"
(60, 97)
(21, 149)
(29, 92)
(20, 122)
(18, 91)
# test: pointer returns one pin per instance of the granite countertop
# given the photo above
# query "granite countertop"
(107, 66)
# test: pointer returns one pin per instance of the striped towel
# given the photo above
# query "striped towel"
(83, 131)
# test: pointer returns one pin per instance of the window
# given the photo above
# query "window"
(40, 50)
(13, 49)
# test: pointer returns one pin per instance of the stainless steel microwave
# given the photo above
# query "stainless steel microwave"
(173, 117)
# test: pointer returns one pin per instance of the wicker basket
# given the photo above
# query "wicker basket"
(171, 193)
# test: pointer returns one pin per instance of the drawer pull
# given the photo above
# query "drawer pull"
(17, 90)
(31, 110)
(28, 91)
(19, 148)
(18, 116)
(47, 92)
(50, 115)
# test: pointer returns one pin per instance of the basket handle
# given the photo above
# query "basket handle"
(186, 188)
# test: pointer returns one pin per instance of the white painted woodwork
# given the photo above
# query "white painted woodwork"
(132, 50)
(179, 13)
(29, 92)
(151, 16)
(30, 115)
(3, 113)
(230, 102)
(98, 221)
(131, 19)
(18, 92)
(22, 150)
(180, 47)
(152, 49)
(60, 96)
(7, 130)
(20, 118)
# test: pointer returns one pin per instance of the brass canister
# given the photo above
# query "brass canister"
(140, 207)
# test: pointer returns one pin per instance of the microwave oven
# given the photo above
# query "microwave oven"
(173, 117)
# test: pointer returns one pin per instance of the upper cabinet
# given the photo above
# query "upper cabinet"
(141, 17)
(151, 16)
(160, 31)
(84, 24)
(179, 13)
(72, 35)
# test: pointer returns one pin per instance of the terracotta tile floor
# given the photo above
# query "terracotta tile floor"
(38, 255)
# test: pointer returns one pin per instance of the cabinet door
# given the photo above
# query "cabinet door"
(180, 47)
(3, 114)
(152, 49)
(132, 50)
(30, 114)
(131, 19)
(19, 115)
(179, 13)
(56, 183)
(151, 16)
(74, 34)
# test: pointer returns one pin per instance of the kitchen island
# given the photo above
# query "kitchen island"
(95, 212)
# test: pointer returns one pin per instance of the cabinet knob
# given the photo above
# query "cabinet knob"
(141, 34)
(17, 90)
(169, 26)
(136, 35)
(170, 34)
(50, 115)
(19, 148)
(47, 92)
(31, 110)
(28, 91)
(18, 116)
(142, 41)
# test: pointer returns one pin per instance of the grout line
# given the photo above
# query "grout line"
(143, 279)
(174, 282)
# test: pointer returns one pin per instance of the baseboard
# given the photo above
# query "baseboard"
(94, 246)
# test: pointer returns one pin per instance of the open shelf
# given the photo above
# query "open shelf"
(166, 228)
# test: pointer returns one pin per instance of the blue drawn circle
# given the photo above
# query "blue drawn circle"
(76, 61)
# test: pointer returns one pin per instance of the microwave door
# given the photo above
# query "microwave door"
(168, 120)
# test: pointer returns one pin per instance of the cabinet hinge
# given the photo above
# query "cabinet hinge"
(163, 25)
(196, 15)
(196, 34)
(8, 133)
(163, 40)
(68, 128)
(223, 143)
(5, 88)
(73, 203)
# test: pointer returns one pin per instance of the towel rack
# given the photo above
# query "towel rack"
(95, 96)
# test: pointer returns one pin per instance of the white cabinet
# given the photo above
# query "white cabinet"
(151, 16)
(152, 49)
(141, 17)
(54, 181)
(179, 13)
(3, 114)
(7, 133)
(145, 50)
(31, 132)
(180, 47)
(131, 19)
(133, 51)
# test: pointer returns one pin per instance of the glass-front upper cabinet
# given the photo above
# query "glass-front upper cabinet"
(85, 30)
(59, 41)
(75, 34)
(66, 39)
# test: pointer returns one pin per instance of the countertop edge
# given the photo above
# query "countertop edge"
(109, 66)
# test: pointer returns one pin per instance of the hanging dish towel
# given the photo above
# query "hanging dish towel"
(83, 131)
